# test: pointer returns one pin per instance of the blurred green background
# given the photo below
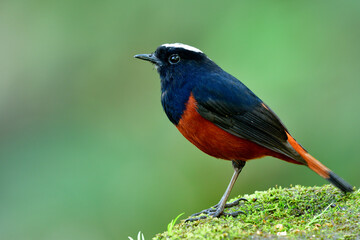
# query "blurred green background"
(86, 151)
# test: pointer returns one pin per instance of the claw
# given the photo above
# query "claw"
(214, 213)
(206, 211)
(234, 214)
(236, 202)
(195, 219)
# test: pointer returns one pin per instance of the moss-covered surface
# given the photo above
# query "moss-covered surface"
(296, 213)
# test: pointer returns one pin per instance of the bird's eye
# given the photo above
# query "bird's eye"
(173, 59)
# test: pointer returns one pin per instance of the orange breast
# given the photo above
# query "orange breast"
(216, 142)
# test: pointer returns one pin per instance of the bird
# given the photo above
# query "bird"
(223, 118)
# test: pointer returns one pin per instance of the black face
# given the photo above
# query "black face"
(171, 56)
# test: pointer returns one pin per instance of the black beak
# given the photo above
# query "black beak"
(148, 57)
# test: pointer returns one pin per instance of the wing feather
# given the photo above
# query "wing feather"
(237, 110)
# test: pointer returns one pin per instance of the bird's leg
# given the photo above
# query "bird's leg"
(238, 166)
(218, 209)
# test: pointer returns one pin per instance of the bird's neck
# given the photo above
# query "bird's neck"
(174, 96)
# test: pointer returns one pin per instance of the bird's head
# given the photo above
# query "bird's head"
(179, 62)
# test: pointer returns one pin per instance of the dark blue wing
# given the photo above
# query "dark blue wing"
(230, 105)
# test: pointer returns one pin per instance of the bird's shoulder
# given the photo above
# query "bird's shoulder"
(220, 91)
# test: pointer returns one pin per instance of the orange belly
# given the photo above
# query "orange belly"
(217, 142)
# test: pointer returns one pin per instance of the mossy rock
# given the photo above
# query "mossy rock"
(286, 213)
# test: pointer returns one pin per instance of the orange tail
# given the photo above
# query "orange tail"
(319, 168)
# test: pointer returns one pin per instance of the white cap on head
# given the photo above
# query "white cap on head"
(181, 45)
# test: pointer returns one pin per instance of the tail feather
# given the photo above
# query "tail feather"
(319, 168)
(340, 183)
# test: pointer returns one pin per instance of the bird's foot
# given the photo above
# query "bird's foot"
(234, 203)
(215, 211)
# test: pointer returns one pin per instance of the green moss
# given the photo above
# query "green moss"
(295, 212)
